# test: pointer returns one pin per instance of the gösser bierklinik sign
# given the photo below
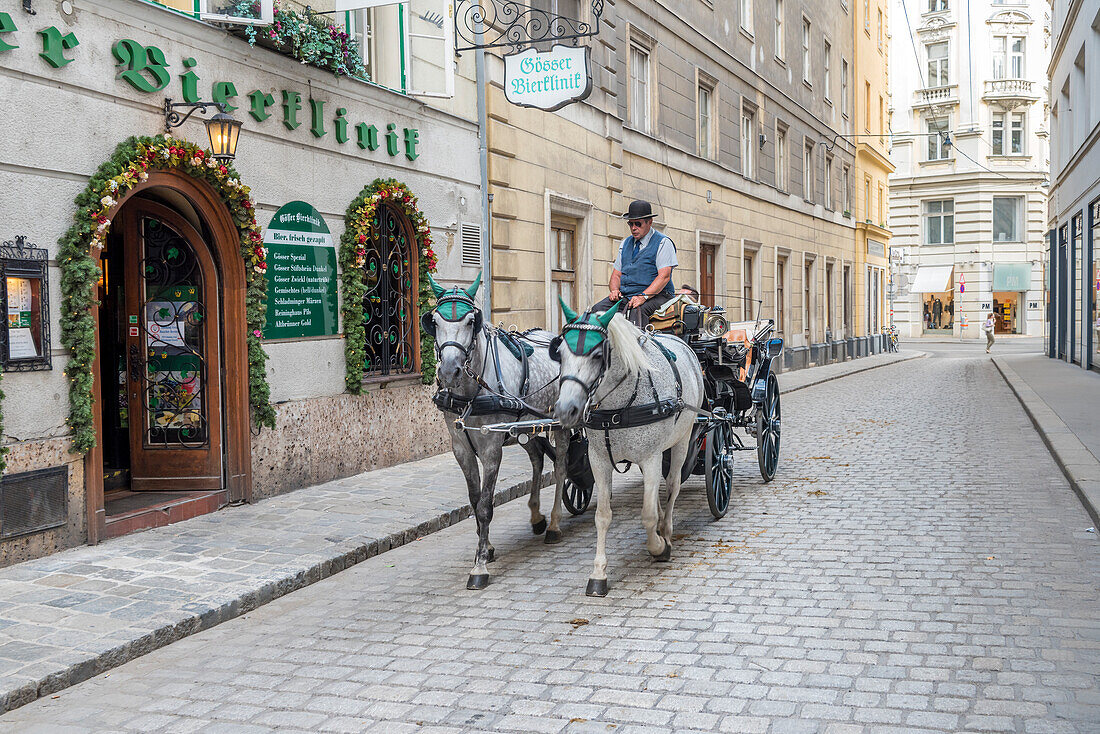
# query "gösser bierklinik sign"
(548, 80)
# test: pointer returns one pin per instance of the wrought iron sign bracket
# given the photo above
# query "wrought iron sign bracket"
(173, 119)
(510, 23)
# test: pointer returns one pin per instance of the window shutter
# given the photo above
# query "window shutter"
(470, 236)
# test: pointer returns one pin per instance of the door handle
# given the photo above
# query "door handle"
(135, 364)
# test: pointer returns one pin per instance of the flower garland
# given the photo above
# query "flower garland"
(361, 217)
(128, 166)
(307, 37)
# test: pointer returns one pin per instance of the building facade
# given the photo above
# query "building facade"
(1074, 212)
(971, 145)
(148, 411)
(730, 118)
(872, 164)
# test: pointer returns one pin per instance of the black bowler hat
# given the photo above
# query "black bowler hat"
(639, 210)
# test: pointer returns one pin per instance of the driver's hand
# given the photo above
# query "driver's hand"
(615, 295)
(636, 301)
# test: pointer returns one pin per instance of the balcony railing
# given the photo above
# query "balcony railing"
(930, 96)
(1009, 89)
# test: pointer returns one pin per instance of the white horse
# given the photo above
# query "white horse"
(482, 379)
(608, 366)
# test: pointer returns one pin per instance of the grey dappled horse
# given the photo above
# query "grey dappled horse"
(608, 362)
(465, 347)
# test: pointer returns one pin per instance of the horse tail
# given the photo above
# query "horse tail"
(624, 343)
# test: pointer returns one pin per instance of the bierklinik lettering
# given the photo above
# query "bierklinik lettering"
(146, 69)
(555, 76)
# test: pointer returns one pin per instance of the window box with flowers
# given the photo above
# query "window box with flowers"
(306, 36)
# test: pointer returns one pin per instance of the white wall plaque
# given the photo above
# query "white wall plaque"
(548, 80)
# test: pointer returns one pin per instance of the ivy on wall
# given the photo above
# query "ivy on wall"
(360, 219)
(77, 254)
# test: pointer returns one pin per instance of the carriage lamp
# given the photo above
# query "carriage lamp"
(222, 129)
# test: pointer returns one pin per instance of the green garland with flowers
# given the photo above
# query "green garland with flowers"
(361, 217)
(77, 258)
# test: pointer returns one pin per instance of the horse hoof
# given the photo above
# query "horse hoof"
(492, 554)
(477, 581)
(596, 587)
(553, 537)
(664, 555)
(539, 527)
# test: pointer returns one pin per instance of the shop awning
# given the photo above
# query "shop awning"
(1011, 277)
(933, 279)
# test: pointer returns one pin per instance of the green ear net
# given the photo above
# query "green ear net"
(606, 316)
(472, 290)
(570, 314)
(436, 288)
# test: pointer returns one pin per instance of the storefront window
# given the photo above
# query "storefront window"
(1094, 285)
(939, 311)
(25, 334)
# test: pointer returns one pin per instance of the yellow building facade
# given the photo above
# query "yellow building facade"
(873, 166)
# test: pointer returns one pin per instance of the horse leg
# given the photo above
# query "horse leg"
(679, 456)
(561, 461)
(483, 511)
(658, 547)
(601, 472)
(538, 521)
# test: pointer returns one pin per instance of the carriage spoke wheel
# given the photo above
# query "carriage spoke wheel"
(575, 497)
(718, 465)
(768, 430)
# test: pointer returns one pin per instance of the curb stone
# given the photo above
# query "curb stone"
(203, 617)
(1080, 467)
(857, 366)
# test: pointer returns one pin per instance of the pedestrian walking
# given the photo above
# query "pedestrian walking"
(988, 327)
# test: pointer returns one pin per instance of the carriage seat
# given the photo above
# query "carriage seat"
(679, 315)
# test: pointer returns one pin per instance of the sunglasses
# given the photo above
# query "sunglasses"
(635, 223)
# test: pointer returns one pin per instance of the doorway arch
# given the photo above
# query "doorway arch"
(219, 241)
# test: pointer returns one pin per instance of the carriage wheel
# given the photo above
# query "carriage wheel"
(575, 497)
(718, 467)
(768, 425)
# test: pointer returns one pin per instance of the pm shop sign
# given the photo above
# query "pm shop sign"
(548, 80)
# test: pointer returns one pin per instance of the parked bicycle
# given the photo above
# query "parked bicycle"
(892, 343)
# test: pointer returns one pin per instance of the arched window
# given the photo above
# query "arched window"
(389, 304)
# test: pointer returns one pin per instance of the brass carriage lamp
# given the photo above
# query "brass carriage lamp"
(222, 129)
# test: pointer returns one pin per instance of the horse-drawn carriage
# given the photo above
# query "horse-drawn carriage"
(680, 396)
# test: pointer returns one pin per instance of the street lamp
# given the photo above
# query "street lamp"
(222, 129)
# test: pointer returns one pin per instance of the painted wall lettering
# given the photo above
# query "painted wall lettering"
(317, 117)
(260, 103)
(7, 25)
(190, 82)
(292, 104)
(222, 92)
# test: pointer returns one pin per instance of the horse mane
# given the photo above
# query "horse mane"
(624, 343)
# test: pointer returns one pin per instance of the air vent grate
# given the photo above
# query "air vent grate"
(471, 244)
(33, 501)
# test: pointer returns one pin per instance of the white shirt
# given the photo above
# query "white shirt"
(666, 252)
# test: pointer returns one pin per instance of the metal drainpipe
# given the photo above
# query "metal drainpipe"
(483, 161)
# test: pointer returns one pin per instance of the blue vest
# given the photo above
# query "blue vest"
(640, 272)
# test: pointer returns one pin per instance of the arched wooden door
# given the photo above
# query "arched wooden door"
(172, 352)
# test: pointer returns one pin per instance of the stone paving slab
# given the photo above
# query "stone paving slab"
(1053, 391)
(77, 613)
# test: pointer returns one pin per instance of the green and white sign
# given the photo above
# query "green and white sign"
(550, 80)
(301, 274)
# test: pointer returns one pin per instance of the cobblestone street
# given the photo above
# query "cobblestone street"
(919, 564)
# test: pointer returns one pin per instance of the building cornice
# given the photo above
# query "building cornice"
(870, 228)
(1063, 34)
(863, 150)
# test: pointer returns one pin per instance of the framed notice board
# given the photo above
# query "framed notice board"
(25, 293)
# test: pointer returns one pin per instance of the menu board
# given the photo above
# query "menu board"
(20, 299)
(301, 274)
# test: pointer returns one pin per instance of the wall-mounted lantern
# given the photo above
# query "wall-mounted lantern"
(222, 129)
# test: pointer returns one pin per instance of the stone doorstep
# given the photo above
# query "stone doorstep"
(18, 690)
(1077, 463)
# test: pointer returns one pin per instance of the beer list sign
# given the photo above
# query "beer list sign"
(301, 274)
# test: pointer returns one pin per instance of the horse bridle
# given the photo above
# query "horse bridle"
(456, 295)
(589, 390)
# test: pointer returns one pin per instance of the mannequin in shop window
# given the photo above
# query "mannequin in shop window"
(950, 314)
(927, 316)
(937, 313)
